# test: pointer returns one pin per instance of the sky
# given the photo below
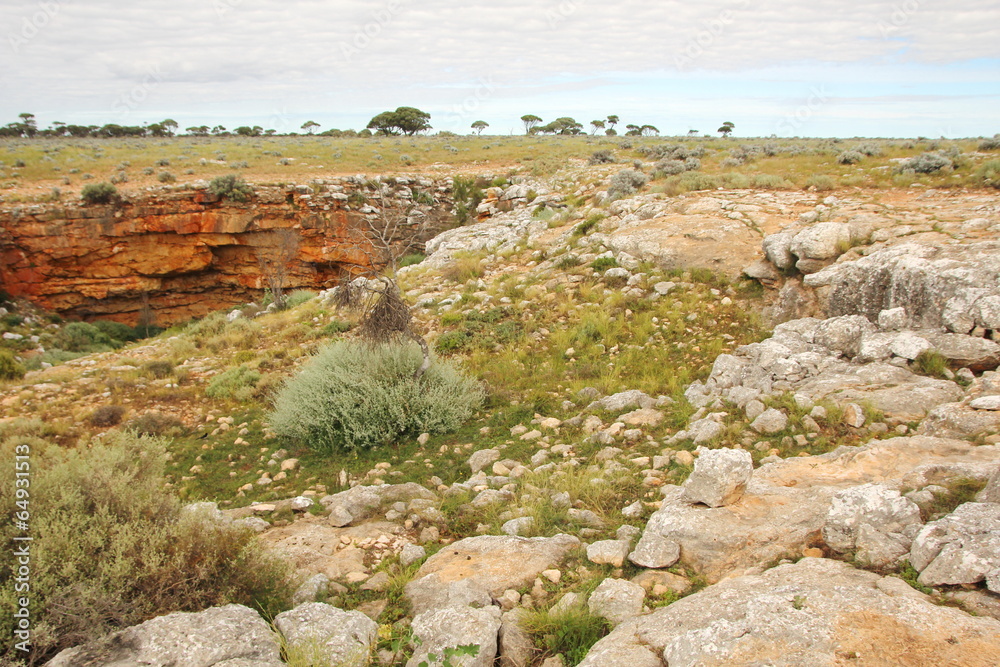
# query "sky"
(903, 68)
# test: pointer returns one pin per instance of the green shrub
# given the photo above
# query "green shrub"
(452, 341)
(99, 193)
(166, 177)
(112, 547)
(107, 415)
(410, 260)
(930, 363)
(10, 368)
(571, 633)
(822, 182)
(604, 263)
(228, 383)
(117, 331)
(991, 144)
(336, 327)
(154, 423)
(83, 337)
(231, 187)
(354, 396)
(989, 174)
(158, 369)
(850, 157)
(299, 297)
(587, 225)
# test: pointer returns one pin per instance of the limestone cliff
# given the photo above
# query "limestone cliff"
(190, 252)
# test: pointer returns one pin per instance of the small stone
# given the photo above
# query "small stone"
(608, 552)
(986, 403)
(769, 422)
(854, 415)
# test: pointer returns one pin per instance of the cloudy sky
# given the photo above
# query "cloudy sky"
(784, 67)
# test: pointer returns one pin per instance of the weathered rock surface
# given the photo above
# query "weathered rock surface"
(488, 563)
(188, 251)
(719, 478)
(786, 503)
(204, 639)
(325, 632)
(961, 548)
(616, 600)
(814, 612)
(364, 502)
(450, 627)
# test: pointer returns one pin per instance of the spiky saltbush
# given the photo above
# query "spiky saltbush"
(991, 144)
(850, 157)
(927, 163)
(355, 396)
(626, 182)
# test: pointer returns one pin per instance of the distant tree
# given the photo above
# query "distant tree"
(530, 122)
(692, 133)
(479, 126)
(270, 133)
(198, 130)
(219, 129)
(310, 126)
(595, 126)
(58, 128)
(633, 131)
(611, 132)
(649, 131)
(28, 125)
(404, 120)
(726, 129)
(171, 126)
(564, 125)
(612, 121)
(80, 130)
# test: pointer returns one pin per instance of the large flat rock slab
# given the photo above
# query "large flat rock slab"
(489, 563)
(786, 503)
(814, 612)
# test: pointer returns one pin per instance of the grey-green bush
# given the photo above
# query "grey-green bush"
(354, 396)
(927, 163)
(626, 182)
(229, 383)
(112, 547)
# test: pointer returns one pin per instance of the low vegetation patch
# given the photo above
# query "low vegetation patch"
(354, 396)
(112, 547)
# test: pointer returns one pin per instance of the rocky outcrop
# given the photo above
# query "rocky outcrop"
(814, 612)
(190, 253)
(792, 504)
(227, 635)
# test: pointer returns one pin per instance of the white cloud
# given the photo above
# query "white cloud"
(252, 55)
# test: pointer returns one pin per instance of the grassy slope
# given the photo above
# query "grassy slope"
(66, 163)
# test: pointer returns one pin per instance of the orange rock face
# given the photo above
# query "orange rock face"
(188, 252)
